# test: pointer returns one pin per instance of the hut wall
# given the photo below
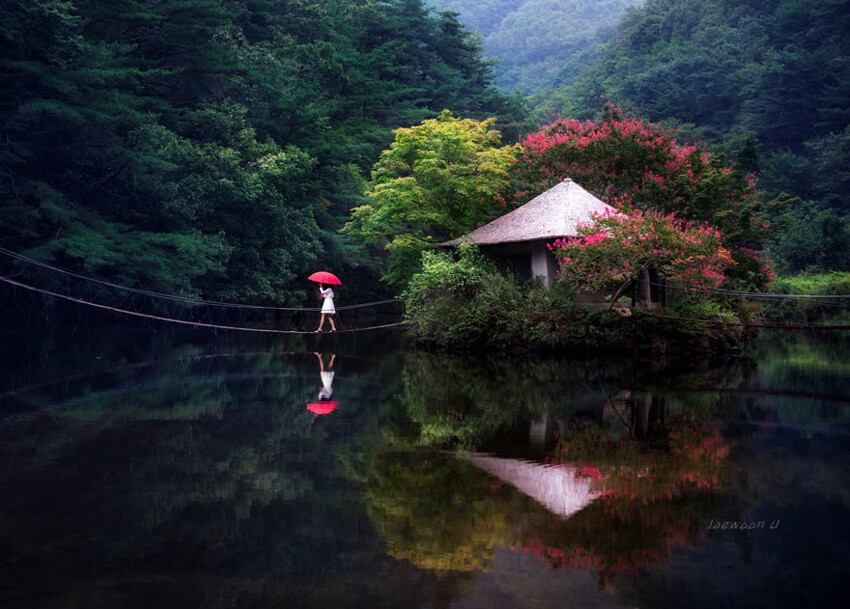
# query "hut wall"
(542, 263)
(527, 259)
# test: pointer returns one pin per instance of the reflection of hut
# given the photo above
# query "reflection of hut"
(518, 240)
(539, 433)
(558, 488)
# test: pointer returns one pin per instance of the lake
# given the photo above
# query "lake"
(181, 468)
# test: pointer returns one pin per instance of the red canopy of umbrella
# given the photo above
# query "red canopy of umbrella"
(325, 277)
(323, 407)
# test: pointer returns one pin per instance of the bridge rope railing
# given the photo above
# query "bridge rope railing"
(130, 305)
(175, 297)
(743, 294)
(773, 316)
(198, 324)
(103, 295)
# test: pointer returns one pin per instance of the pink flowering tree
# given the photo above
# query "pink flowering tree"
(641, 170)
(613, 250)
(634, 164)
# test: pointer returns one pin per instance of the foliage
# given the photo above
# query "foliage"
(810, 237)
(616, 247)
(774, 74)
(829, 155)
(539, 45)
(836, 282)
(466, 305)
(637, 164)
(437, 180)
(456, 302)
(819, 311)
(215, 148)
(643, 171)
(775, 68)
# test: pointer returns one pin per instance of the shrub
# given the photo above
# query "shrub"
(465, 303)
(836, 282)
(457, 301)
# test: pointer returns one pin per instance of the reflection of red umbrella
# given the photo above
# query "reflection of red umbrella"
(323, 407)
(325, 277)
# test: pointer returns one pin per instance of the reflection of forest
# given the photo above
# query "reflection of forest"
(611, 479)
(465, 402)
(649, 447)
(444, 517)
(190, 463)
(196, 474)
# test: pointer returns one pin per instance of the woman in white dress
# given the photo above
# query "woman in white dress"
(326, 392)
(328, 310)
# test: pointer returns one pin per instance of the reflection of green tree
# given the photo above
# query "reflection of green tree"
(195, 435)
(205, 474)
(443, 515)
(464, 401)
(818, 362)
(435, 511)
(800, 380)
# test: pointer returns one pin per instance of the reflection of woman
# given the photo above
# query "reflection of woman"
(328, 310)
(326, 391)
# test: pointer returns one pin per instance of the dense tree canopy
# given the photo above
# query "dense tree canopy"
(768, 81)
(437, 181)
(637, 164)
(775, 68)
(213, 147)
(666, 193)
(539, 45)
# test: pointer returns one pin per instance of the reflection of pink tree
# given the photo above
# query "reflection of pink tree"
(649, 502)
(693, 462)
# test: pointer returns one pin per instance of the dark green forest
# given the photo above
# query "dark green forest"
(767, 82)
(540, 45)
(214, 147)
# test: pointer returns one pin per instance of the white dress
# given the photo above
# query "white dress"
(326, 392)
(328, 305)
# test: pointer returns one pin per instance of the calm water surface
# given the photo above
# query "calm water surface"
(163, 469)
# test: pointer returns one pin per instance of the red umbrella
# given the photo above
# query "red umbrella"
(323, 407)
(325, 277)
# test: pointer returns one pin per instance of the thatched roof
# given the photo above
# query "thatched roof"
(550, 215)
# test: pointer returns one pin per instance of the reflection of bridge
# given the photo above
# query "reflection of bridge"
(557, 487)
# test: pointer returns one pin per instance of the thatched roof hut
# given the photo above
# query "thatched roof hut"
(518, 239)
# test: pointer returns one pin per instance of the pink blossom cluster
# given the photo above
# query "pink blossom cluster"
(616, 247)
(630, 163)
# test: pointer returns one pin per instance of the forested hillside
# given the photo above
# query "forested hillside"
(768, 80)
(539, 45)
(214, 147)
